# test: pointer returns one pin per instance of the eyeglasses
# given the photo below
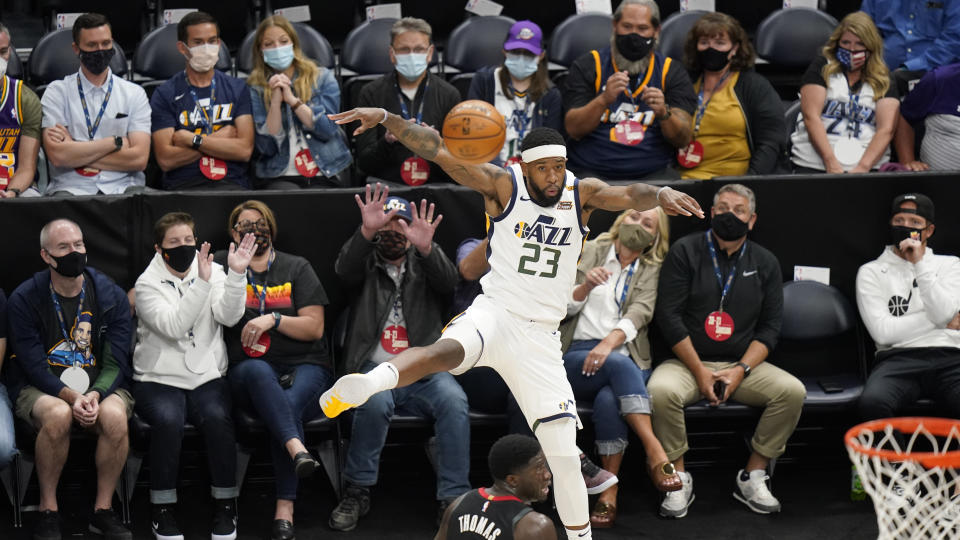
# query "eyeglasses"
(247, 225)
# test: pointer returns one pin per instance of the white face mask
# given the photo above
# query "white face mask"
(3, 65)
(204, 57)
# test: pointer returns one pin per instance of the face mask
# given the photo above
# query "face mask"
(634, 237)
(899, 233)
(727, 226)
(633, 47)
(847, 58)
(3, 66)
(179, 258)
(412, 65)
(521, 66)
(70, 265)
(279, 58)
(712, 60)
(96, 61)
(391, 245)
(204, 57)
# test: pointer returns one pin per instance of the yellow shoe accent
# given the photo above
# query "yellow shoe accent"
(333, 406)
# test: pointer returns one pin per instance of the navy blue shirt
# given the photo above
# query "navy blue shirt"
(174, 107)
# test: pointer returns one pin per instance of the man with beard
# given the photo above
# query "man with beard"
(719, 306)
(405, 283)
(628, 106)
(50, 309)
(502, 512)
(536, 216)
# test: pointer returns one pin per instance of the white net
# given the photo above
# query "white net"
(914, 493)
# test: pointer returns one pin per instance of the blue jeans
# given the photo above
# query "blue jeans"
(617, 378)
(8, 439)
(282, 410)
(208, 407)
(439, 397)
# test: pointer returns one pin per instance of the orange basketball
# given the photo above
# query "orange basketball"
(474, 131)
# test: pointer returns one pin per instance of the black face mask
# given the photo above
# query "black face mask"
(899, 233)
(263, 241)
(538, 196)
(728, 227)
(96, 61)
(179, 258)
(391, 245)
(633, 47)
(70, 265)
(712, 60)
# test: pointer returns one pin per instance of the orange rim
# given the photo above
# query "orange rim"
(940, 427)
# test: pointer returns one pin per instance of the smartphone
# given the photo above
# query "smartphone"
(719, 388)
(286, 380)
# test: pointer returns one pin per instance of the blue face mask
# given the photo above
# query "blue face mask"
(846, 57)
(521, 66)
(279, 58)
(412, 65)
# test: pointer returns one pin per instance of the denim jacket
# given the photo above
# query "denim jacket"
(326, 140)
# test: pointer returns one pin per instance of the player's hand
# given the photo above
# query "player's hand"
(616, 83)
(420, 231)
(916, 166)
(367, 116)
(597, 276)
(204, 262)
(676, 202)
(705, 382)
(596, 358)
(238, 258)
(371, 211)
(910, 248)
(654, 99)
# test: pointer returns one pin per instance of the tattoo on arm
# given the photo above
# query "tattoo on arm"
(424, 142)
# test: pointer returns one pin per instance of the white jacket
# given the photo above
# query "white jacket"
(899, 315)
(168, 308)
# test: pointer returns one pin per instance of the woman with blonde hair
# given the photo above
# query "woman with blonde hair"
(297, 146)
(607, 350)
(849, 106)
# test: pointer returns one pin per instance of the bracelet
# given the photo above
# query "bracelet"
(297, 105)
(659, 191)
(384, 116)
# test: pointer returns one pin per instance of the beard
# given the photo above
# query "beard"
(633, 67)
(538, 196)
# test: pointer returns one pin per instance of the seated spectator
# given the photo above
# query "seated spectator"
(607, 351)
(180, 361)
(933, 104)
(848, 104)
(628, 107)
(202, 124)
(412, 92)
(20, 117)
(719, 306)
(738, 125)
(405, 281)
(279, 360)
(70, 332)
(520, 477)
(908, 299)
(96, 125)
(297, 146)
(520, 89)
(8, 439)
(917, 36)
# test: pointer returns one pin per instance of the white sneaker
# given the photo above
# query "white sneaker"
(676, 503)
(348, 392)
(754, 492)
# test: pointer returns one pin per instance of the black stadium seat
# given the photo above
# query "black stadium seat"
(442, 16)
(128, 19)
(674, 30)
(333, 20)
(235, 18)
(53, 58)
(578, 35)
(548, 14)
(157, 56)
(314, 46)
(367, 48)
(477, 42)
(789, 39)
(14, 65)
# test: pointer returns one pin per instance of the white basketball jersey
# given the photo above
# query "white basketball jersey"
(534, 251)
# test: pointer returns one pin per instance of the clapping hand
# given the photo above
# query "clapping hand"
(204, 262)
(238, 258)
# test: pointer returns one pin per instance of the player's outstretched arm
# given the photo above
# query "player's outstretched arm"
(595, 193)
(427, 143)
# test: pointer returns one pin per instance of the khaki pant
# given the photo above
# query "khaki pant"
(780, 394)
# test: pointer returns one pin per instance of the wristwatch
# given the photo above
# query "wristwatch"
(746, 369)
(118, 143)
(276, 320)
(197, 141)
(668, 114)
(15, 190)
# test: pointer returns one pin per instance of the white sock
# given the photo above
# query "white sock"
(581, 534)
(385, 376)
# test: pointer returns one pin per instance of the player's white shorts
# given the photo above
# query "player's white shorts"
(527, 354)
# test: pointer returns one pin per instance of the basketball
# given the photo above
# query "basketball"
(474, 131)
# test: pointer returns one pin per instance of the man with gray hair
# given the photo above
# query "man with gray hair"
(20, 117)
(412, 92)
(719, 306)
(628, 108)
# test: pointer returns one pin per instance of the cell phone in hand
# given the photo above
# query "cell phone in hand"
(719, 388)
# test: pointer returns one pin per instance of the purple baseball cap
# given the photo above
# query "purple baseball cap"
(524, 35)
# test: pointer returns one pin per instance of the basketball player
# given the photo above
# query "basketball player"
(502, 512)
(536, 224)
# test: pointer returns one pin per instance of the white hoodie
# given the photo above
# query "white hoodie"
(897, 313)
(168, 308)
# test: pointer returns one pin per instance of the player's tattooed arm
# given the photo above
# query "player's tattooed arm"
(421, 140)
(596, 193)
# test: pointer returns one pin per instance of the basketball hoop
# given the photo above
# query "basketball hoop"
(909, 467)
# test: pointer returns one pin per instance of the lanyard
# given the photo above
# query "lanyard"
(716, 268)
(396, 309)
(295, 124)
(640, 85)
(262, 291)
(626, 284)
(403, 106)
(174, 285)
(701, 106)
(60, 315)
(211, 103)
(521, 114)
(92, 127)
(853, 118)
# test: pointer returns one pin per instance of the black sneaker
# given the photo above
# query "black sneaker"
(305, 465)
(282, 530)
(48, 526)
(107, 524)
(224, 520)
(164, 524)
(354, 505)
